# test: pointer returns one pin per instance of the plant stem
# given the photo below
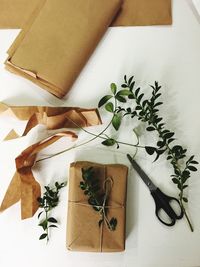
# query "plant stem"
(90, 140)
(186, 216)
(76, 146)
(181, 190)
(47, 230)
(104, 138)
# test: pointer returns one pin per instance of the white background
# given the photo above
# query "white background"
(168, 54)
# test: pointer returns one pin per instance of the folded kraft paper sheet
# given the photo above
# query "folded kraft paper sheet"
(83, 230)
(58, 39)
(15, 13)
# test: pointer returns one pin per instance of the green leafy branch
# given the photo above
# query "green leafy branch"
(49, 201)
(97, 199)
(146, 110)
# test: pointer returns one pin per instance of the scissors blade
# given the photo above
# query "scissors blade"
(142, 174)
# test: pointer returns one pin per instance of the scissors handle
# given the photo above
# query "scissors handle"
(162, 202)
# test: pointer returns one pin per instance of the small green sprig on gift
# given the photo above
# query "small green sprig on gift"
(146, 110)
(49, 201)
(97, 199)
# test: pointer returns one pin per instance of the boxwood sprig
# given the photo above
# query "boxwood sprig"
(49, 201)
(147, 110)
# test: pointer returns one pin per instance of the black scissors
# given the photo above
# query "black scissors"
(162, 201)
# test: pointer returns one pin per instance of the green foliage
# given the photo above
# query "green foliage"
(49, 201)
(146, 110)
(96, 198)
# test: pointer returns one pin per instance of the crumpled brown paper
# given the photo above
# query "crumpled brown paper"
(83, 231)
(15, 13)
(23, 184)
(52, 117)
(58, 40)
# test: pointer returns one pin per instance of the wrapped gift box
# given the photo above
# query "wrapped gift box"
(84, 233)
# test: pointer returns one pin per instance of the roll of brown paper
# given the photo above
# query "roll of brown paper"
(58, 40)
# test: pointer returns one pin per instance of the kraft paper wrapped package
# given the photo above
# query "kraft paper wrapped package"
(83, 230)
(58, 40)
(15, 13)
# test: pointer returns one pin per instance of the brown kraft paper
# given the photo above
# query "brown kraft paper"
(58, 40)
(23, 185)
(83, 231)
(15, 13)
(52, 117)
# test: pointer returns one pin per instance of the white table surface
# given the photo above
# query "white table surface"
(168, 54)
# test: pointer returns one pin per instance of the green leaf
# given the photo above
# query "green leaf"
(124, 93)
(53, 226)
(138, 108)
(157, 157)
(160, 144)
(109, 142)
(40, 214)
(150, 150)
(51, 219)
(175, 181)
(120, 98)
(130, 80)
(131, 86)
(113, 88)
(109, 107)
(170, 140)
(169, 157)
(184, 179)
(83, 185)
(192, 168)
(168, 135)
(113, 224)
(190, 159)
(140, 98)
(185, 199)
(137, 91)
(150, 128)
(104, 100)
(186, 174)
(125, 78)
(116, 122)
(43, 236)
(194, 162)
(158, 104)
(43, 224)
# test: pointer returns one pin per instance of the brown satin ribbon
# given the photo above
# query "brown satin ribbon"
(23, 184)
